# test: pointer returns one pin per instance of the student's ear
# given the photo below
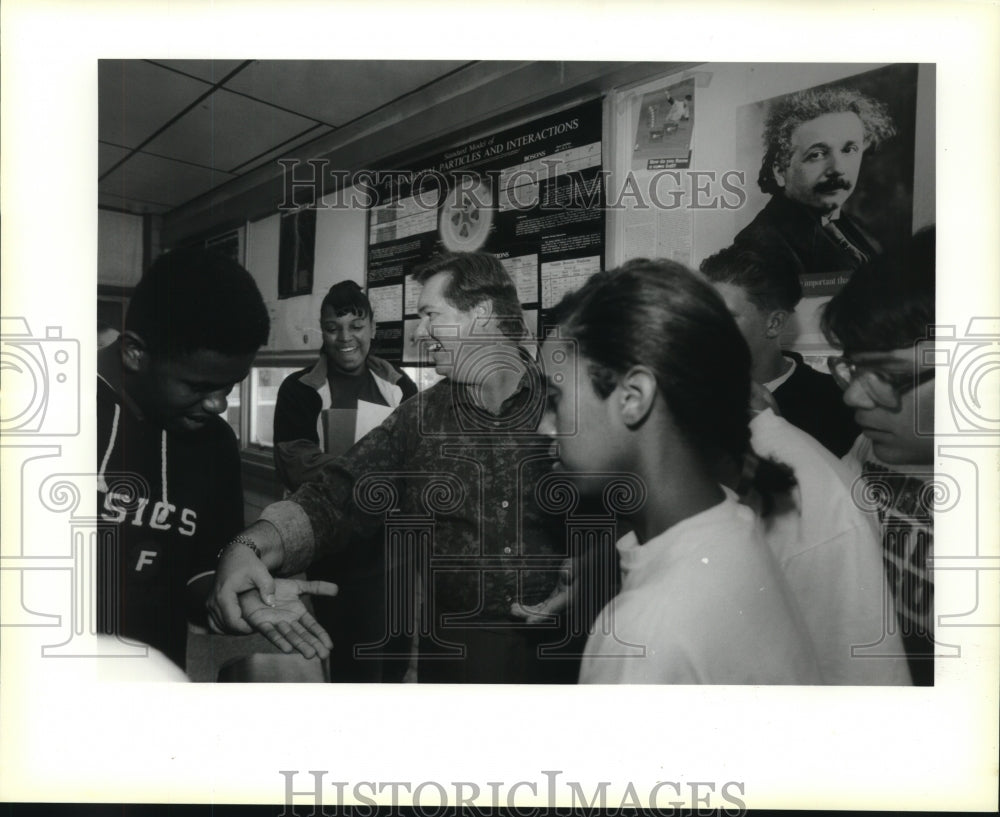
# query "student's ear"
(637, 393)
(135, 355)
(776, 320)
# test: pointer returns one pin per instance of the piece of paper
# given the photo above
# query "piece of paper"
(342, 428)
(369, 415)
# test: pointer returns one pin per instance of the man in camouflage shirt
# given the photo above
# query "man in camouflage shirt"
(452, 474)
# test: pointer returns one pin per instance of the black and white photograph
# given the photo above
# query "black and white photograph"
(471, 535)
(599, 429)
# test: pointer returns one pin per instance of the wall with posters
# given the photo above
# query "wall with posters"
(684, 189)
(531, 194)
(339, 256)
(696, 132)
(539, 207)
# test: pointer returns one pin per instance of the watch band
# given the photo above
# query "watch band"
(241, 540)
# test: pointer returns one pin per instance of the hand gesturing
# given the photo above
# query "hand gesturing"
(288, 624)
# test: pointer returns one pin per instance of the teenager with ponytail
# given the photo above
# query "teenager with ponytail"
(649, 376)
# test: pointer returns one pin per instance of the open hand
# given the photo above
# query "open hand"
(287, 623)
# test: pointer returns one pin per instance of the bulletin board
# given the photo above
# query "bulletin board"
(533, 195)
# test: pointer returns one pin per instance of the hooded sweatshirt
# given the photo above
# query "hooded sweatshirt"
(166, 504)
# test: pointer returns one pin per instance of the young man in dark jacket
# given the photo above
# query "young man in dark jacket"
(169, 487)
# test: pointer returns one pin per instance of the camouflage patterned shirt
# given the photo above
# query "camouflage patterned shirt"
(455, 484)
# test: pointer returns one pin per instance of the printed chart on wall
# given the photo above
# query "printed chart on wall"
(532, 195)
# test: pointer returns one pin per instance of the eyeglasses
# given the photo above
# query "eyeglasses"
(884, 388)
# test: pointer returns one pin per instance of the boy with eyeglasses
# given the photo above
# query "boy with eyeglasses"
(878, 319)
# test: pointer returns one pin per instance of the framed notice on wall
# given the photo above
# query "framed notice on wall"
(229, 244)
(296, 253)
(533, 195)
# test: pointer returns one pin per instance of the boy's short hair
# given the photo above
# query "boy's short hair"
(888, 304)
(346, 298)
(769, 282)
(191, 299)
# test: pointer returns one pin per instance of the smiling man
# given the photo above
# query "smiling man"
(879, 320)
(815, 141)
(168, 465)
(453, 471)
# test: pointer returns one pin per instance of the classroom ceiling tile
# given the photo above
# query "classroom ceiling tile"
(265, 111)
(208, 70)
(284, 149)
(160, 181)
(112, 201)
(136, 99)
(226, 130)
(108, 156)
(336, 91)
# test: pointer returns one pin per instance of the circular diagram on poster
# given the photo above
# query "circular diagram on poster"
(466, 218)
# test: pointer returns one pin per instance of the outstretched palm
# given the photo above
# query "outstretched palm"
(288, 624)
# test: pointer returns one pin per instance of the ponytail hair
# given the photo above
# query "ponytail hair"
(660, 315)
(764, 481)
